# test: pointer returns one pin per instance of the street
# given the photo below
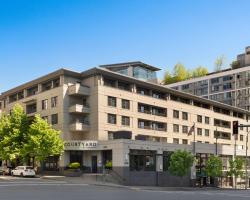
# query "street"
(40, 189)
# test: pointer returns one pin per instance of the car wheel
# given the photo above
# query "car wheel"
(21, 174)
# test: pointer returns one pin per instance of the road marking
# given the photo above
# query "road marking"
(43, 184)
(212, 193)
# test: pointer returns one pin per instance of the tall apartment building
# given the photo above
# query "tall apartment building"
(229, 86)
(120, 113)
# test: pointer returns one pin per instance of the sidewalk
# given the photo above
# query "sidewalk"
(79, 180)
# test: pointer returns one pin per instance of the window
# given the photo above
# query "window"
(176, 114)
(53, 102)
(112, 101)
(184, 141)
(46, 118)
(207, 132)
(241, 137)
(111, 118)
(176, 128)
(184, 115)
(206, 120)
(110, 135)
(227, 86)
(45, 104)
(46, 86)
(184, 129)
(123, 86)
(215, 80)
(227, 78)
(51, 163)
(199, 131)
(125, 104)
(176, 141)
(109, 82)
(125, 121)
(31, 108)
(199, 118)
(141, 160)
(32, 91)
(56, 82)
(54, 119)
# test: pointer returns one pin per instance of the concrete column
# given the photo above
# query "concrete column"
(159, 161)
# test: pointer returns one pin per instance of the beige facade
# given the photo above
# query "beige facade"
(96, 104)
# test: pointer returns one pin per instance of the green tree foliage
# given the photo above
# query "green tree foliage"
(199, 71)
(236, 167)
(180, 163)
(13, 133)
(43, 140)
(20, 138)
(214, 166)
(180, 73)
(219, 63)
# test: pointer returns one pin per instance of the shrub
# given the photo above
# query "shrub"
(74, 165)
(108, 165)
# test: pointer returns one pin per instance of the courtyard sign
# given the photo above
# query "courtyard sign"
(80, 145)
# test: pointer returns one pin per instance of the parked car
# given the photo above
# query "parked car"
(23, 171)
(4, 170)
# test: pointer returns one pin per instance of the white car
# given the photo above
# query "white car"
(23, 171)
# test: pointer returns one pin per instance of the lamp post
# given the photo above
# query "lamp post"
(246, 162)
(216, 142)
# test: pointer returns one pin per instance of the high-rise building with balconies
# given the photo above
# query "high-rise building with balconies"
(118, 113)
(230, 86)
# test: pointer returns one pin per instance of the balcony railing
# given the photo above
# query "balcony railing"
(152, 128)
(77, 108)
(78, 90)
(79, 127)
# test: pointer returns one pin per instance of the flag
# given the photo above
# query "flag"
(191, 130)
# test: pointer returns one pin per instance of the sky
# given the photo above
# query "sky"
(41, 36)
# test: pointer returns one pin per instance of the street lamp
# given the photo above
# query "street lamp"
(216, 142)
(246, 162)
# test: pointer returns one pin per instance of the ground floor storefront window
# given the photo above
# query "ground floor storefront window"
(76, 156)
(166, 160)
(51, 163)
(142, 160)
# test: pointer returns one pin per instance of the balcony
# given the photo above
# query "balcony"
(79, 127)
(77, 108)
(78, 90)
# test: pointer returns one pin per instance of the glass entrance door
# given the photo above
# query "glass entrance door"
(94, 164)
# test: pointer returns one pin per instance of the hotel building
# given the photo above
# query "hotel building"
(230, 86)
(120, 113)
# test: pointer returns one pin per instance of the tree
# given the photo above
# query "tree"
(42, 141)
(180, 73)
(180, 163)
(214, 167)
(13, 133)
(199, 71)
(168, 78)
(236, 168)
(219, 62)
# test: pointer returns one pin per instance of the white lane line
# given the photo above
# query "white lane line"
(45, 184)
(31, 182)
(212, 193)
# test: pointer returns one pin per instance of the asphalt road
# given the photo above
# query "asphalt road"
(37, 189)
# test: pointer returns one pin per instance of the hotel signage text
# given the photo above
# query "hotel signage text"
(80, 145)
